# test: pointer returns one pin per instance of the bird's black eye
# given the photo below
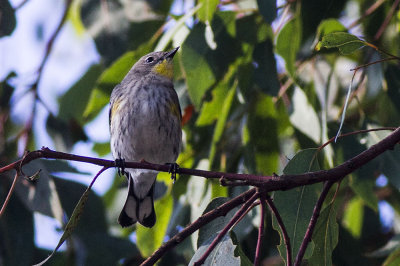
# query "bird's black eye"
(149, 59)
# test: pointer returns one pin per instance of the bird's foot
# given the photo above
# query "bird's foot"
(120, 164)
(173, 170)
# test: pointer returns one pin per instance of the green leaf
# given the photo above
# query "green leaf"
(267, 9)
(244, 260)
(97, 101)
(353, 217)
(261, 134)
(72, 223)
(16, 230)
(149, 239)
(288, 43)
(393, 259)
(207, 10)
(220, 126)
(364, 185)
(345, 42)
(325, 237)
(210, 110)
(328, 26)
(124, 26)
(210, 230)
(296, 206)
(197, 69)
(168, 36)
(222, 254)
(7, 18)
(265, 73)
(102, 149)
(73, 103)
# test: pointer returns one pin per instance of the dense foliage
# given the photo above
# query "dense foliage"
(257, 84)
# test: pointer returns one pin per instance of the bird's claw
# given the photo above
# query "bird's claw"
(120, 164)
(173, 170)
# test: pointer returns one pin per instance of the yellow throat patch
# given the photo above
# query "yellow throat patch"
(165, 68)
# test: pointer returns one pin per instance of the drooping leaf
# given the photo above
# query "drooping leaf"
(328, 26)
(112, 76)
(296, 206)
(44, 197)
(117, 26)
(325, 237)
(171, 32)
(221, 123)
(207, 10)
(288, 43)
(197, 69)
(73, 103)
(72, 223)
(353, 217)
(345, 42)
(223, 253)
(265, 73)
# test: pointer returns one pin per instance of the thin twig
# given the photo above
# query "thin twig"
(312, 223)
(226, 229)
(3, 208)
(201, 221)
(286, 238)
(355, 133)
(257, 257)
(368, 12)
(387, 20)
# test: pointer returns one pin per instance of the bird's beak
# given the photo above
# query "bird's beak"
(171, 53)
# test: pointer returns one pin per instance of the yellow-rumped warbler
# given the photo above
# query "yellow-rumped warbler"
(145, 124)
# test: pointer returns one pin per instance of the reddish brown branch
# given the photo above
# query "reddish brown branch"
(312, 223)
(285, 235)
(201, 221)
(387, 20)
(257, 257)
(9, 194)
(268, 183)
(225, 230)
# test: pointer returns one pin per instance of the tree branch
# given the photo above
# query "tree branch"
(234, 219)
(260, 230)
(201, 221)
(285, 235)
(268, 183)
(312, 223)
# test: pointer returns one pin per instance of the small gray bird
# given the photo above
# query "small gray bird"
(145, 124)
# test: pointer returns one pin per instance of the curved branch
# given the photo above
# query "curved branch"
(268, 183)
(225, 230)
(313, 222)
(260, 230)
(285, 235)
(202, 220)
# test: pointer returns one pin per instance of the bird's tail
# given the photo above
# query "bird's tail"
(138, 210)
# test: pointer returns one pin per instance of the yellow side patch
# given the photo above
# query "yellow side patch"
(175, 110)
(115, 108)
(165, 68)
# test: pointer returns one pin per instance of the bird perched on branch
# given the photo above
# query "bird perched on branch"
(145, 124)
